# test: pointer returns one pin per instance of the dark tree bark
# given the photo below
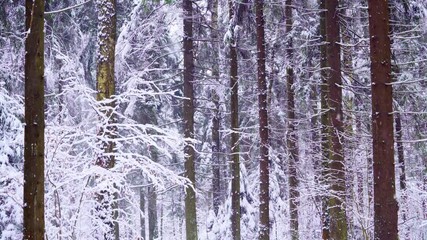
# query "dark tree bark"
(264, 196)
(188, 111)
(235, 148)
(236, 12)
(385, 205)
(336, 202)
(324, 119)
(106, 10)
(401, 161)
(216, 170)
(34, 222)
(292, 137)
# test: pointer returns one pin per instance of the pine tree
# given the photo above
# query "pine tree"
(324, 119)
(337, 181)
(292, 138)
(234, 108)
(264, 196)
(188, 113)
(385, 205)
(34, 221)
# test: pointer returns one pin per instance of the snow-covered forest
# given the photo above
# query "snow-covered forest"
(213, 119)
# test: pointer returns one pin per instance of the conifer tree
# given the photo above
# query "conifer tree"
(188, 113)
(264, 196)
(385, 205)
(34, 222)
(337, 180)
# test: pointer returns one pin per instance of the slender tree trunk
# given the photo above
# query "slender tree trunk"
(402, 177)
(325, 142)
(216, 181)
(336, 203)
(188, 112)
(235, 148)
(400, 153)
(264, 196)
(292, 137)
(34, 222)
(106, 89)
(236, 18)
(385, 205)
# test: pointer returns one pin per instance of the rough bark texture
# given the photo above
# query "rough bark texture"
(336, 204)
(34, 222)
(264, 197)
(188, 112)
(216, 181)
(324, 119)
(106, 88)
(235, 148)
(292, 137)
(385, 205)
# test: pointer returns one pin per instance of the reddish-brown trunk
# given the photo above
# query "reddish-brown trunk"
(336, 205)
(188, 112)
(264, 197)
(235, 148)
(325, 145)
(385, 205)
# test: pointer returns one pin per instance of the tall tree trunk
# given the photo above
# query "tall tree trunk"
(188, 114)
(385, 205)
(336, 202)
(216, 181)
(264, 197)
(34, 222)
(105, 79)
(292, 137)
(325, 142)
(235, 148)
